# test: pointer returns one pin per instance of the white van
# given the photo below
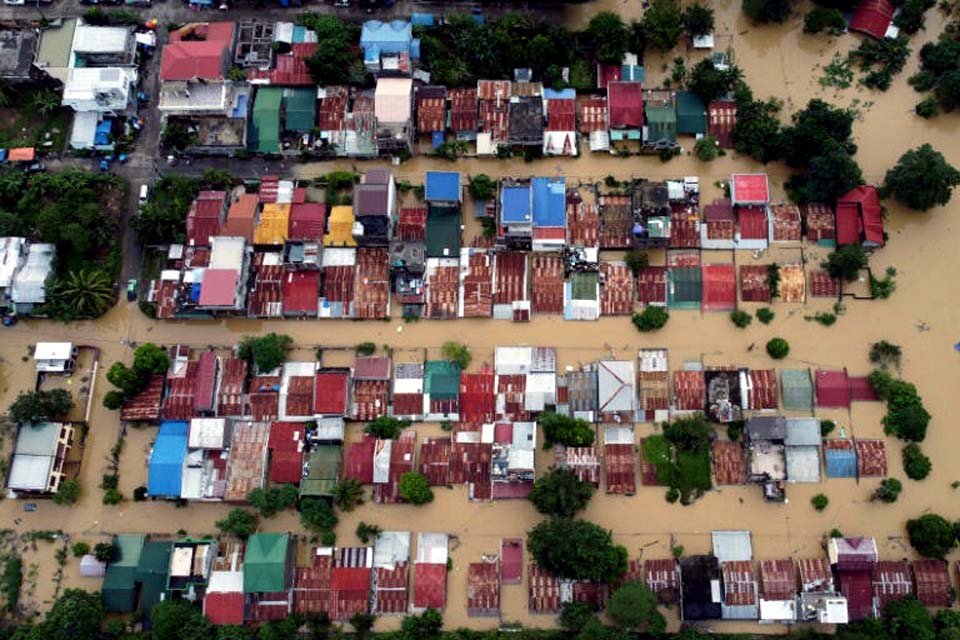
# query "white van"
(144, 194)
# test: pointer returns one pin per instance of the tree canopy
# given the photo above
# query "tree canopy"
(698, 20)
(829, 176)
(634, 606)
(415, 488)
(812, 130)
(561, 429)
(386, 427)
(651, 318)
(560, 493)
(163, 217)
(756, 132)
(663, 23)
(577, 549)
(921, 179)
(931, 535)
(41, 406)
(336, 50)
(266, 352)
(239, 523)
(317, 515)
(609, 37)
(75, 615)
(846, 262)
(764, 11)
(709, 82)
(691, 433)
(272, 501)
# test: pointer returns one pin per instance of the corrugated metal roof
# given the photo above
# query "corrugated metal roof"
(429, 586)
(166, 460)
(732, 545)
(543, 591)
(246, 466)
(483, 588)
(840, 458)
(934, 587)
(778, 579)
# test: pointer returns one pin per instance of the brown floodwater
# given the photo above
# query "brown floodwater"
(923, 316)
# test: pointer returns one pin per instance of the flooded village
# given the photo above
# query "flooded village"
(378, 276)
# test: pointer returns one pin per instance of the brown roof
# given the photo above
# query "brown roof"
(815, 575)
(370, 399)
(510, 277)
(300, 396)
(823, 285)
(616, 222)
(821, 222)
(871, 458)
(332, 109)
(372, 288)
(246, 466)
(233, 375)
(483, 588)
(241, 216)
(145, 406)
(690, 390)
(265, 299)
(431, 109)
(753, 283)
(441, 292)
(544, 591)
(662, 577)
(616, 294)
(739, 583)
(463, 109)
(729, 462)
(583, 224)
(778, 579)
(264, 397)
(478, 285)
(620, 468)
(786, 222)
(547, 283)
(435, 460)
(593, 114)
(792, 283)
(934, 588)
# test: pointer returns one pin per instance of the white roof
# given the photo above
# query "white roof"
(283, 32)
(226, 252)
(11, 254)
(513, 360)
(391, 547)
(519, 459)
(225, 582)
(732, 545)
(408, 385)
(338, 257)
(84, 131)
(90, 39)
(381, 461)
(181, 561)
(90, 567)
(53, 351)
(207, 433)
(485, 144)
(392, 100)
(541, 383)
(81, 79)
(703, 42)
(613, 434)
(29, 472)
(778, 610)
(524, 435)
(432, 548)
(29, 284)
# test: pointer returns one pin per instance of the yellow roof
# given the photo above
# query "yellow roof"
(341, 228)
(274, 220)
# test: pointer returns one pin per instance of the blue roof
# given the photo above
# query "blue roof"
(633, 73)
(563, 94)
(299, 33)
(391, 37)
(549, 202)
(415, 49)
(515, 205)
(422, 19)
(443, 186)
(166, 461)
(840, 463)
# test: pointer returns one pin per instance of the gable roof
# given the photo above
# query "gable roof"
(626, 105)
(264, 563)
(192, 60)
(872, 17)
(166, 460)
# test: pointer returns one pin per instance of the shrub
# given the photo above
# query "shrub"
(575, 615)
(348, 494)
(821, 19)
(765, 315)
(735, 430)
(12, 579)
(140, 494)
(706, 149)
(386, 427)
(68, 493)
(365, 349)
(846, 262)
(888, 491)
(698, 20)
(827, 427)
(239, 523)
(931, 535)
(778, 348)
(926, 108)
(885, 354)
(836, 533)
(634, 606)
(104, 551)
(916, 465)
(366, 532)
(112, 497)
(577, 549)
(636, 260)
(270, 502)
(883, 289)
(80, 549)
(481, 187)
(672, 495)
(415, 489)
(765, 11)
(561, 429)
(651, 318)
(560, 493)
(113, 399)
(458, 353)
(691, 433)
(316, 514)
(820, 502)
(741, 318)
(825, 319)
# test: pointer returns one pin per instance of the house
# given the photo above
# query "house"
(464, 113)
(625, 105)
(29, 286)
(190, 564)
(778, 591)
(393, 109)
(374, 207)
(350, 582)
(268, 570)
(17, 52)
(204, 217)
(55, 357)
(700, 588)
(119, 590)
(721, 117)
(513, 469)
(443, 188)
(749, 189)
(389, 46)
(648, 214)
(549, 213)
(332, 119)
(430, 572)
(205, 463)
(431, 112)
(39, 456)
(223, 285)
(441, 390)
(860, 218)
(854, 559)
(223, 600)
(13, 254)
(494, 115)
(483, 587)
(892, 580)
(391, 572)
(616, 384)
(166, 460)
(932, 581)
(691, 114)
(526, 115)
(661, 125)
(874, 18)
(102, 69)
(560, 132)
(265, 126)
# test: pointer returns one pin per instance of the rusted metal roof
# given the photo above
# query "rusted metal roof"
(463, 109)
(729, 462)
(391, 588)
(286, 443)
(338, 283)
(934, 588)
(266, 294)
(652, 286)
(145, 406)
(620, 468)
(581, 461)
(754, 286)
(590, 593)
(431, 109)
(786, 222)
(494, 108)
(370, 399)
(360, 460)
(593, 115)
(233, 376)
(543, 591)
(372, 288)
(721, 117)
(821, 222)
(871, 458)
(412, 225)
(663, 578)
(512, 389)
(778, 579)
(561, 115)
(684, 227)
(435, 460)
(616, 294)
(429, 586)
(891, 581)
(616, 222)
(763, 394)
(815, 575)
(299, 396)
(470, 464)
(823, 285)
(689, 389)
(483, 588)
(583, 224)
(510, 277)
(246, 466)
(547, 294)
(181, 389)
(511, 560)
(332, 111)
(300, 292)
(264, 397)
(648, 470)
(739, 583)
(477, 284)
(719, 287)
(350, 591)
(792, 283)
(441, 291)
(478, 401)
(401, 462)
(856, 586)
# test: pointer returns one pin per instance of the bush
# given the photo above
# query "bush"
(906, 417)
(698, 20)
(766, 11)
(561, 429)
(888, 491)
(348, 494)
(765, 315)
(827, 427)
(560, 493)
(883, 289)
(482, 187)
(926, 108)
(634, 606)
(239, 523)
(365, 349)
(575, 615)
(366, 532)
(662, 23)
(637, 261)
(706, 149)
(112, 497)
(80, 549)
(270, 502)
(821, 19)
(104, 551)
(819, 502)
(691, 433)
(735, 430)
(885, 354)
(651, 318)
(386, 427)
(931, 535)
(911, 16)
(266, 352)
(778, 348)
(741, 318)
(672, 495)
(916, 465)
(113, 400)
(12, 579)
(140, 494)
(457, 353)
(68, 493)
(577, 549)
(41, 406)
(415, 489)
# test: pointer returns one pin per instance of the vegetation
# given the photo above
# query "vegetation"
(163, 218)
(386, 427)
(931, 535)
(706, 149)
(561, 429)
(415, 489)
(575, 616)
(272, 501)
(482, 187)
(765, 315)
(824, 20)
(829, 176)
(735, 430)
(692, 433)
(883, 289)
(41, 406)
(316, 515)
(906, 417)
(885, 354)
(741, 318)
(12, 579)
(609, 37)
(819, 502)
(367, 532)
(239, 523)
(577, 549)
(940, 72)
(76, 615)
(756, 132)
(634, 606)
(105, 551)
(921, 179)
(365, 349)
(265, 352)
(881, 60)
(888, 491)
(766, 11)
(709, 82)
(651, 318)
(68, 493)
(348, 494)
(827, 427)
(80, 549)
(698, 20)
(336, 58)
(846, 262)
(637, 261)
(663, 23)
(682, 458)
(148, 359)
(177, 135)
(813, 129)
(86, 293)
(926, 108)
(560, 493)
(916, 465)
(778, 348)
(911, 17)
(457, 353)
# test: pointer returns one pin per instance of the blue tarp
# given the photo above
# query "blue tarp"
(478, 18)
(840, 463)
(415, 49)
(443, 186)
(102, 135)
(241, 110)
(549, 202)
(515, 205)
(437, 139)
(166, 461)
(195, 291)
(563, 94)
(421, 19)
(391, 37)
(3, 155)
(299, 33)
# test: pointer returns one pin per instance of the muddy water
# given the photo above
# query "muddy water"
(777, 61)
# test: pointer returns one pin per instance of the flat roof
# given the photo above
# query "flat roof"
(53, 351)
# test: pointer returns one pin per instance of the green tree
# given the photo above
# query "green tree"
(105, 551)
(911, 17)
(347, 494)
(366, 532)
(846, 262)
(272, 501)
(45, 102)
(931, 535)
(162, 218)
(415, 489)
(178, 619)
(829, 176)
(457, 353)
(824, 20)
(651, 318)
(113, 400)
(41, 406)
(80, 549)
(560, 493)
(149, 359)
(335, 52)
(426, 626)
(239, 523)
(575, 615)
(820, 502)
(778, 348)
(706, 149)
(362, 623)
(765, 315)
(76, 615)
(68, 493)
(634, 606)
(921, 179)
(741, 318)
(386, 427)
(916, 465)
(482, 187)
(87, 293)
(908, 619)
(691, 433)
(663, 23)
(177, 135)
(766, 11)
(561, 429)
(577, 549)
(126, 379)
(317, 515)
(885, 354)
(756, 132)
(637, 261)
(698, 20)
(609, 37)
(266, 352)
(947, 90)
(812, 130)
(888, 491)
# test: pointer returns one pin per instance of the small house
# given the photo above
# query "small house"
(691, 114)
(860, 218)
(119, 591)
(549, 214)
(166, 460)
(39, 456)
(494, 115)
(932, 580)
(55, 357)
(874, 18)
(464, 113)
(268, 571)
(891, 581)
(391, 572)
(389, 46)
(721, 118)
(778, 591)
(432, 112)
(393, 108)
(430, 572)
(526, 115)
(443, 188)
(625, 104)
(374, 207)
(617, 395)
(818, 600)
(560, 132)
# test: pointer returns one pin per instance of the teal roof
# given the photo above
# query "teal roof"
(300, 110)
(129, 549)
(661, 123)
(441, 379)
(119, 590)
(152, 574)
(691, 113)
(443, 232)
(583, 285)
(264, 134)
(323, 471)
(265, 563)
(684, 288)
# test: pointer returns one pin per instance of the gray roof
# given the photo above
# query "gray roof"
(732, 545)
(56, 41)
(17, 49)
(37, 439)
(616, 385)
(803, 432)
(391, 547)
(767, 428)
(582, 390)
(29, 286)
(803, 464)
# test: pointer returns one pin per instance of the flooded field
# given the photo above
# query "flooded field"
(923, 316)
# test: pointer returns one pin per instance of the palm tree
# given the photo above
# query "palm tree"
(87, 293)
(347, 494)
(46, 102)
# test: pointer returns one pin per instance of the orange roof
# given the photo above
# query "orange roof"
(274, 220)
(340, 224)
(240, 217)
(21, 154)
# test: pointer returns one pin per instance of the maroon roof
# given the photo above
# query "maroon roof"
(932, 578)
(307, 221)
(145, 406)
(233, 377)
(206, 376)
(181, 388)
(311, 592)
(815, 575)
(684, 232)
(477, 399)
(300, 292)
(872, 17)
(264, 397)
(483, 589)
(330, 396)
(372, 286)
(224, 608)
(543, 591)
(391, 588)
(593, 115)
(616, 294)
(360, 460)
(652, 286)
(463, 109)
(407, 404)
(431, 109)
(429, 585)
(891, 581)
(607, 73)
(690, 390)
(778, 580)
(203, 218)
(823, 285)
(729, 462)
(291, 69)
(739, 583)
(332, 111)
(857, 588)
(861, 389)
(848, 223)
(615, 220)
(833, 390)
(821, 222)
(719, 287)
(286, 452)
(626, 105)
(871, 458)
(547, 284)
(561, 115)
(620, 466)
(470, 464)
(763, 395)
(435, 460)
(754, 286)
(662, 577)
(265, 299)
(442, 287)
(511, 560)
(752, 222)
(411, 225)
(338, 284)
(372, 368)
(299, 398)
(721, 116)
(510, 277)
(350, 592)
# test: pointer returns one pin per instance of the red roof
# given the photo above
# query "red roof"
(332, 112)
(871, 458)
(264, 397)
(372, 368)
(815, 575)
(778, 579)
(848, 223)
(823, 285)
(411, 225)
(360, 460)
(561, 115)
(729, 462)
(833, 390)
(286, 455)
(350, 588)
(219, 288)
(178, 405)
(511, 560)
(872, 17)
(739, 583)
(391, 589)
(401, 462)
(721, 116)
(483, 589)
(435, 460)
(593, 115)
(750, 188)
(621, 472)
(719, 287)
(307, 221)
(607, 73)
(859, 217)
(856, 587)
(372, 286)
(547, 286)
(429, 586)
(145, 406)
(861, 389)
(763, 395)
(626, 105)
(330, 397)
(662, 577)
(463, 109)
(616, 294)
(934, 588)
(891, 581)
(821, 222)
(754, 286)
(206, 375)
(300, 292)
(291, 69)
(543, 591)
(224, 608)
(752, 222)
(192, 59)
(477, 400)
(652, 285)
(690, 389)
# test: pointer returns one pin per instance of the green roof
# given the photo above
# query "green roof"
(797, 389)
(265, 563)
(443, 232)
(583, 286)
(684, 288)
(323, 470)
(152, 573)
(129, 549)
(441, 379)
(119, 590)
(264, 135)
(300, 109)
(691, 113)
(661, 123)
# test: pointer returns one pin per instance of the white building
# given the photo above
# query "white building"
(54, 357)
